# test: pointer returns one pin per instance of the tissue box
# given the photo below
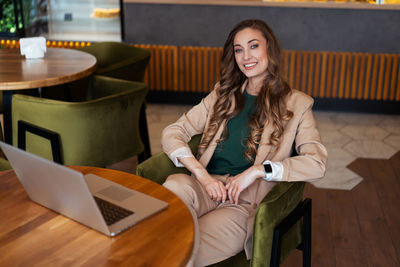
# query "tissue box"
(33, 47)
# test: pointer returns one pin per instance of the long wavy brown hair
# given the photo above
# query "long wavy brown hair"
(270, 103)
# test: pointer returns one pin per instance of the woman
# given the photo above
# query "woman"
(249, 124)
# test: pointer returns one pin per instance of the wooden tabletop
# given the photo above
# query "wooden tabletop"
(33, 235)
(59, 65)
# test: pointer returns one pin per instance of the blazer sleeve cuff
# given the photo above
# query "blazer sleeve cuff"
(277, 171)
(182, 152)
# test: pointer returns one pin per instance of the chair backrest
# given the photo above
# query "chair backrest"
(97, 132)
(119, 60)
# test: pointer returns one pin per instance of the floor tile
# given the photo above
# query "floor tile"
(338, 177)
(391, 124)
(334, 137)
(339, 157)
(393, 140)
(364, 132)
(358, 118)
(325, 121)
(370, 149)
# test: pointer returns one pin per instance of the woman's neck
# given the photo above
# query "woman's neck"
(254, 85)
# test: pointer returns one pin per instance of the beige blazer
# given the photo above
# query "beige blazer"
(300, 129)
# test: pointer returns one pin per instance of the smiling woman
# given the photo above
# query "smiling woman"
(249, 123)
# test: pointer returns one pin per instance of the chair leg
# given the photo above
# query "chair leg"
(302, 211)
(276, 249)
(144, 135)
(307, 234)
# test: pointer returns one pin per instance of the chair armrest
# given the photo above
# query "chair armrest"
(158, 167)
(277, 204)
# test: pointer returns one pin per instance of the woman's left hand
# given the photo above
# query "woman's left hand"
(241, 181)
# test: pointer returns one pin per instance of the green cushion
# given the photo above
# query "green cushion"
(159, 166)
(4, 164)
(100, 131)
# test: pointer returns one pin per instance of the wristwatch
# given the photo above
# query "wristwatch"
(268, 171)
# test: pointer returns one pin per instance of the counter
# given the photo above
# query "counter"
(314, 26)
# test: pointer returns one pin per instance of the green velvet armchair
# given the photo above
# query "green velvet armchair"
(100, 131)
(124, 61)
(282, 222)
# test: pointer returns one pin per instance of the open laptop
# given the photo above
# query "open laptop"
(89, 199)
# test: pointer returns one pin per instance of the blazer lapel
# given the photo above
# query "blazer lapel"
(264, 149)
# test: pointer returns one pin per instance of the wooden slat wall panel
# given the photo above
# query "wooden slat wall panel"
(298, 69)
(324, 74)
(361, 77)
(348, 75)
(304, 70)
(393, 79)
(355, 74)
(319, 74)
(194, 51)
(398, 84)
(387, 75)
(372, 94)
(310, 74)
(186, 70)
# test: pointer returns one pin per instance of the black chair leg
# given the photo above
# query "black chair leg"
(307, 234)
(276, 249)
(144, 135)
(302, 211)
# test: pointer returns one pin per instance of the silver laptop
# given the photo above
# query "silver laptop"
(89, 199)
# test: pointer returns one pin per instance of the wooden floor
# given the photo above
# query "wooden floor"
(360, 227)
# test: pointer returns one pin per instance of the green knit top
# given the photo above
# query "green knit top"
(229, 156)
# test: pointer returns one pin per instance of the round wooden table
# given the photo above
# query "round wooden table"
(59, 65)
(33, 235)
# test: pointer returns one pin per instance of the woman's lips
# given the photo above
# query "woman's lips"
(250, 66)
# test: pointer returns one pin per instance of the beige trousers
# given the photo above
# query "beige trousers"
(220, 228)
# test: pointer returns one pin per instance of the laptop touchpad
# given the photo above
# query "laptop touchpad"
(115, 193)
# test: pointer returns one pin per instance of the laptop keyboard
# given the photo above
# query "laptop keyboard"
(111, 213)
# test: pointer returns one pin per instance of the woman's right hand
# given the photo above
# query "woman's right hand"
(214, 188)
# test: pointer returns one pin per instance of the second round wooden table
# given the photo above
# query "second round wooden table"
(59, 66)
